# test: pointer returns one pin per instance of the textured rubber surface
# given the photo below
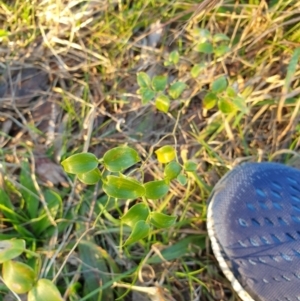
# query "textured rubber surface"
(254, 225)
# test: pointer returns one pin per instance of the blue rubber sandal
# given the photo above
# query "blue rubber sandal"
(253, 221)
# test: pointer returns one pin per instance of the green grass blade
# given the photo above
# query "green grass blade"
(29, 192)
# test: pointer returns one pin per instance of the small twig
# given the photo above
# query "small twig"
(17, 297)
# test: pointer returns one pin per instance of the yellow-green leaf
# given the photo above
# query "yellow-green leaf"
(240, 103)
(135, 214)
(165, 154)
(176, 89)
(182, 179)
(174, 57)
(18, 276)
(195, 72)
(120, 158)
(140, 231)
(226, 106)
(10, 249)
(172, 170)
(210, 100)
(162, 103)
(190, 166)
(123, 188)
(205, 47)
(159, 82)
(156, 189)
(221, 50)
(147, 95)
(231, 92)
(143, 80)
(219, 85)
(161, 220)
(80, 163)
(91, 177)
(44, 290)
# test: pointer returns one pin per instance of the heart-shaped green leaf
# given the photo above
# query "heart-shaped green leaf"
(156, 189)
(205, 47)
(19, 277)
(147, 95)
(140, 230)
(143, 80)
(219, 85)
(123, 188)
(221, 50)
(231, 92)
(172, 170)
(226, 106)
(120, 158)
(161, 220)
(135, 214)
(80, 163)
(190, 166)
(182, 179)
(176, 89)
(174, 57)
(91, 177)
(165, 154)
(10, 249)
(159, 82)
(197, 69)
(44, 290)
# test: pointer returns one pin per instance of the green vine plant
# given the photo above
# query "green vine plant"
(157, 89)
(118, 185)
(21, 278)
(112, 171)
